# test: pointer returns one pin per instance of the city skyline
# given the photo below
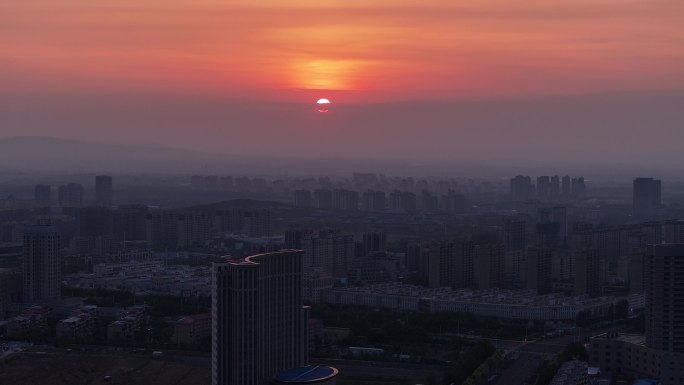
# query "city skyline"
(342, 192)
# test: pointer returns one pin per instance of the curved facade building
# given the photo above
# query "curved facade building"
(258, 318)
(311, 374)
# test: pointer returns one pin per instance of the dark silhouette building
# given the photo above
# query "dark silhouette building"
(664, 280)
(104, 193)
(646, 197)
(41, 267)
(70, 196)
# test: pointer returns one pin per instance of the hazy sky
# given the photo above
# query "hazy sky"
(237, 75)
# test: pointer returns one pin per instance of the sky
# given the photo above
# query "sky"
(436, 79)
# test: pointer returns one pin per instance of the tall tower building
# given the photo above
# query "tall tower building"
(566, 190)
(538, 269)
(41, 268)
(543, 187)
(488, 266)
(258, 318)
(588, 272)
(329, 251)
(555, 186)
(578, 188)
(374, 242)
(104, 190)
(646, 197)
(664, 287)
(521, 187)
(515, 235)
(70, 196)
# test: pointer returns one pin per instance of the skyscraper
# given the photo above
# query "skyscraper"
(565, 186)
(104, 190)
(488, 266)
(374, 242)
(543, 187)
(521, 187)
(646, 197)
(664, 281)
(578, 187)
(259, 321)
(554, 191)
(559, 214)
(588, 272)
(538, 269)
(514, 235)
(41, 268)
(70, 196)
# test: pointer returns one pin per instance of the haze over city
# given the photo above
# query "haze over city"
(342, 192)
(426, 80)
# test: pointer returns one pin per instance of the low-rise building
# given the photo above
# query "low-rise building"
(192, 328)
(32, 320)
(628, 355)
(79, 326)
(521, 304)
(130, 321)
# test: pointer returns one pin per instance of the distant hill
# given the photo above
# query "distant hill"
(42, 153)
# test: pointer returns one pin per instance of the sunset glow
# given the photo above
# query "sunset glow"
(379, 51)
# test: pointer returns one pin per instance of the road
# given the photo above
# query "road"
(531, 354)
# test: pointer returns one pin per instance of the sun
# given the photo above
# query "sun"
(323, 105)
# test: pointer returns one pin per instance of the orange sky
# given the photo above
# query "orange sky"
(358, 50)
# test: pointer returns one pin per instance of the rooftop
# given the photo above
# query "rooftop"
(189, 319)
(306, 374)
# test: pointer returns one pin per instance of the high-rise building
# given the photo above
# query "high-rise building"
(521, 187)
(95, 221)
(345, 199)
(259, 323)
(554, 190)
(488, 266)
(43, 196)
(547, 234)
(453, 202)
(403, 200)
(566, 190)
(587, 272)
(674, 231)
(538, 269)
(443, 264)
(375, 242)
(664, 280)
(646, 197)
(104, 190)
(130, 223)
(578, 188)
(543, 187)
(559, 214)
(226, 183)
(302, 198)
(41, 267)
(373, 200)
(323, 199)
(329, 251)
(243, 185)
(70, 196)
(514, 235)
